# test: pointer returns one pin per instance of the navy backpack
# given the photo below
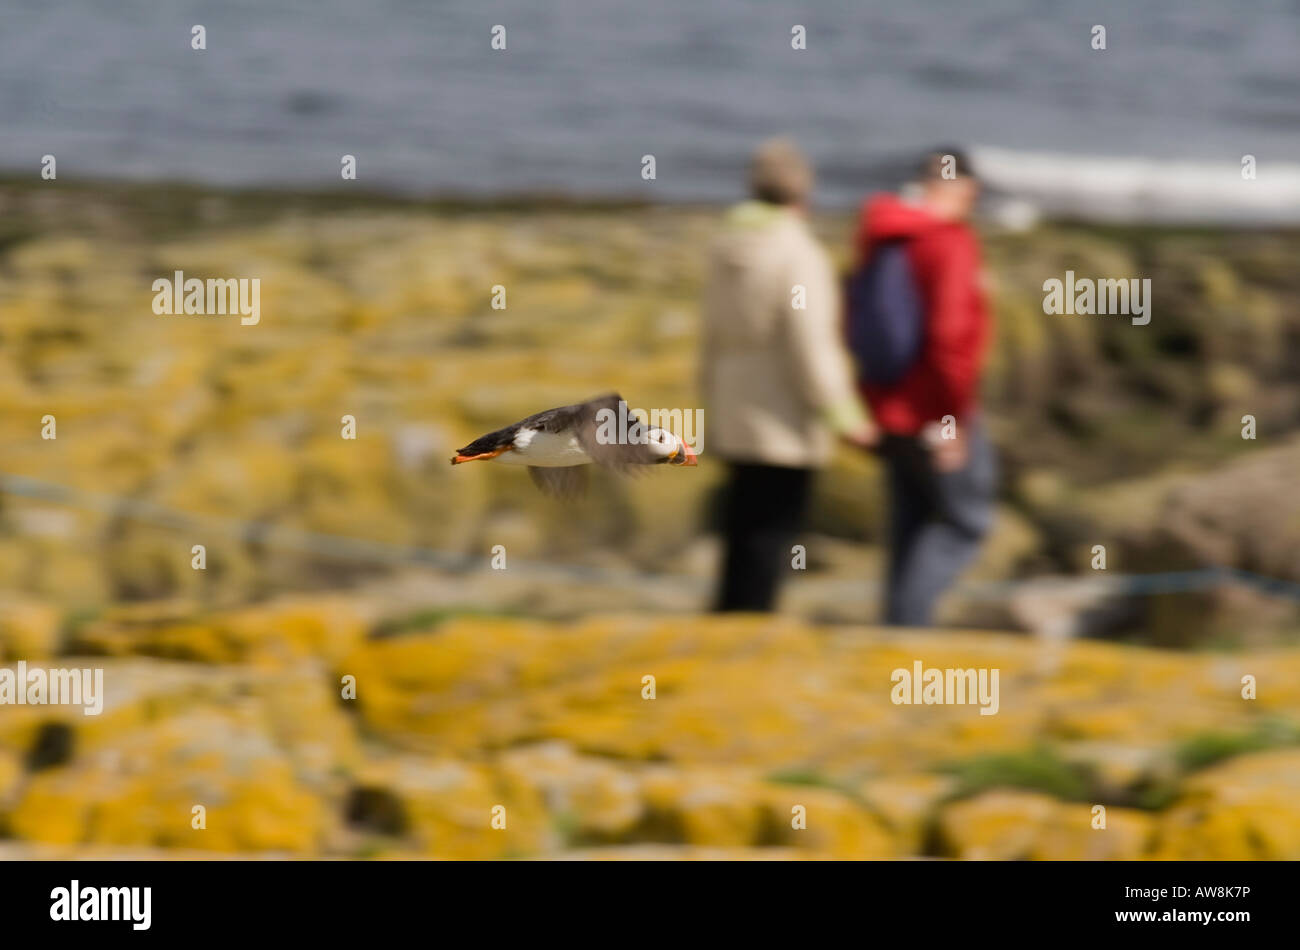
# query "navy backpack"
(886, 318)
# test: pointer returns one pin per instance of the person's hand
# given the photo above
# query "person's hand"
(865, 435)
(949, 455)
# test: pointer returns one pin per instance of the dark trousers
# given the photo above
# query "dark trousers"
(936, 522)
(763, 512)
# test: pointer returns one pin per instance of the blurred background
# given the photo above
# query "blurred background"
(329, 558)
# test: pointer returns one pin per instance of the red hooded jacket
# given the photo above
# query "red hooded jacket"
(946, 261)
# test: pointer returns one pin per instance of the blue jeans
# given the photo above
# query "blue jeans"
(936, 521)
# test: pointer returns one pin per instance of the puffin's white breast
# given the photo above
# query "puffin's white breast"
(545, 450)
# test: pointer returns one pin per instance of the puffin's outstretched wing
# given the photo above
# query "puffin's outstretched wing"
(566, 482)
(625, 457)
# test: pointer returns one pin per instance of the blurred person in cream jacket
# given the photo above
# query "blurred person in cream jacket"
(775, 376)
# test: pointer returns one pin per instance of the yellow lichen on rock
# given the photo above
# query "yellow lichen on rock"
(29, 630)
(1248, 808)
(298, 731)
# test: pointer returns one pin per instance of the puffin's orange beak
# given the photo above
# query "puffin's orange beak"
(690, 456)
(460, 457)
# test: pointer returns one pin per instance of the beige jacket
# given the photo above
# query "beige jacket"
(775, 378)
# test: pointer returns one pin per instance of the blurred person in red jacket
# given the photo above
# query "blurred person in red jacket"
(920, 327)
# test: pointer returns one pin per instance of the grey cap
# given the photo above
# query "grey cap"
(780, 173)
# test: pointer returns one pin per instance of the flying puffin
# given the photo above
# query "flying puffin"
(558, 443)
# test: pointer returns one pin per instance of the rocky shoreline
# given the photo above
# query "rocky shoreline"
(325, 558)
(249, 715)
(380, 308)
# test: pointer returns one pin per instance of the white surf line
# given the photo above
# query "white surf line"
(1160, 190)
